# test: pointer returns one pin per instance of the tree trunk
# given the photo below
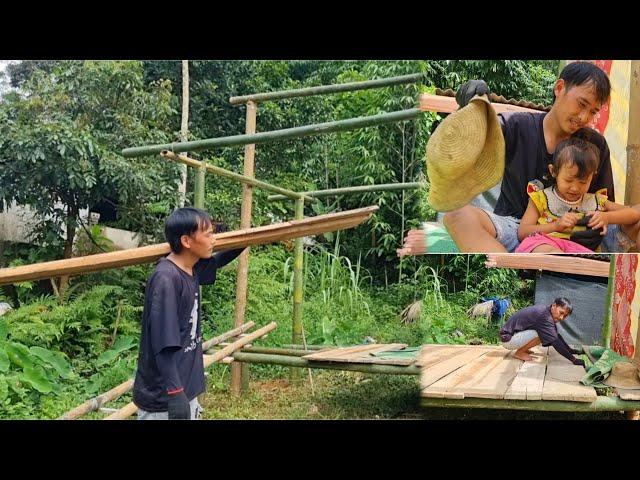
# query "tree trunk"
(63, 281)
(184, 128)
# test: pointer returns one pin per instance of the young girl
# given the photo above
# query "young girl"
(564, 217)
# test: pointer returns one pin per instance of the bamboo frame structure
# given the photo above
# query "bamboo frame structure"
(287, 133)
(383, 187)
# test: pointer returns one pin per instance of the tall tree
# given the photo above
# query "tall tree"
(60, 141)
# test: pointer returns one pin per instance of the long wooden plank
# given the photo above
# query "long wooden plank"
(353, 354)
(369, 357)
(386, 361)
(375, 348)
(529, 381)
(496, 381)
(223, 241)
(322, 355)
(443, 104)
(430, 354)
(562, 382)
(454, 384)
(553, 263)
(626, 394)
(430, 375)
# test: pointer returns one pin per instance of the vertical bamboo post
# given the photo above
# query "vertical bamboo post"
(198, 200)
(606, 328)
(298, 258)
(239, 370)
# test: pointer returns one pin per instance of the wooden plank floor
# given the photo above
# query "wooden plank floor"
(484, 371)
(360, 354)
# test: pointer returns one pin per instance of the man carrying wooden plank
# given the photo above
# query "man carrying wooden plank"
(536, 325)
(170, 371)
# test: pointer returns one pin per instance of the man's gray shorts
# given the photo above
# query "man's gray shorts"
(196, 412)
(520, 339)
(506, 230)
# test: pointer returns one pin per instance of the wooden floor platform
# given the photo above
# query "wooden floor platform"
(491, 372)
(480, 376)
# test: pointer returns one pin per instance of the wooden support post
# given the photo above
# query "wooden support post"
(237, 371)
(298, 259)
(632, 186)
(198, 202)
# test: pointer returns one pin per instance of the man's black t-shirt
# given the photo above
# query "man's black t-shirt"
(526, 159)
(171, 318)
(536, 317)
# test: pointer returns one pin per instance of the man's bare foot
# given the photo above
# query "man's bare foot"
(523, 356)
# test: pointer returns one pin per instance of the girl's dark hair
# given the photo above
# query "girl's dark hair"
(563, 302)
(184, 221)
(582, 73)
(578, 152)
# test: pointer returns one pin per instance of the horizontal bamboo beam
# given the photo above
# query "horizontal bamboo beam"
(223, 241)
(96, 403)
(602, 404)
(255, 138)
(291, 361)
(131, 408)
(324, 89)
(190, 162)
(444, 104)
(552, 263)
(350, 190)
(238, 331)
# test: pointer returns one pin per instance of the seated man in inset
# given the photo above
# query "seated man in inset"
(530, 139)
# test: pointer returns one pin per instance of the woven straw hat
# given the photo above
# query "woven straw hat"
(465, 155)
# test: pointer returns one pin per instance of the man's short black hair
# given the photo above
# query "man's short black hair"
(184, 221)
(576, 74)
(564, 302)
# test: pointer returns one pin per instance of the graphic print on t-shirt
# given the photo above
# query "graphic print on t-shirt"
(194, 318)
